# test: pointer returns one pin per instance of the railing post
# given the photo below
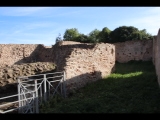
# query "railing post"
(33, 102)
(61, 81)
(36, 97)
(23, 96)
(45, 96)
(48, 89)
(19, 96)
(41, 94)
(64, 86)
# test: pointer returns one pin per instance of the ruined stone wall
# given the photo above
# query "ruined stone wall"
(84, 63)
(156, 54)
(134, 50)
(15, 53)
(11, 54)
(45, 54)
(26, 53)
(9, 75)
(67, 43)
(154, 49)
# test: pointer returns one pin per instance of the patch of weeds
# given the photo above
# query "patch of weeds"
(132, 88)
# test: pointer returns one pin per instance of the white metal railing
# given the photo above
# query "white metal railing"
(32, 91)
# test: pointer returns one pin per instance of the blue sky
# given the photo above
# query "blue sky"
(41, 25)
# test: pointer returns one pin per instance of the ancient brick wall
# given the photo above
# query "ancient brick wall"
(156, 54)
(154, 49)
(45, 53)
(26, 53)
(84, 63)
(9, 75)
(11, 54)
(134, 50)
(15, 53)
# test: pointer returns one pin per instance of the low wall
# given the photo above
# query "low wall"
(84, 63)
(9, 75)
(11, 54)
(16, 53)
(134, 50)
(156, 54)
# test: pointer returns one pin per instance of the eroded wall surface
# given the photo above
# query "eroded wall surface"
(11, 54)
(84, 63)
(156, 51)
(16, 53)
(134, 50)
(9, 75)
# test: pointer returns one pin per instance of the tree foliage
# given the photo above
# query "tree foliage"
(82, 38)
(94, 36)
(120, 34)
(125, 33)
(104, 35)
(71, 34)
(145, 35)
(58, 38)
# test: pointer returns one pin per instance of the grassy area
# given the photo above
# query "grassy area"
(132, 88)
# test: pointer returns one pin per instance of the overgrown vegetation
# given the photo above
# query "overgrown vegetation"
(120, 34)
(132, 88)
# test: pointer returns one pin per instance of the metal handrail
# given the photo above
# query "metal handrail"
(15, 101)
(15, 95)
(37, 75)
(33, 100)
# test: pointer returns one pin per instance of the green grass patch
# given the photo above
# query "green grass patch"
(132, 88)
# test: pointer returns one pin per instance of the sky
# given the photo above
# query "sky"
(41, 25)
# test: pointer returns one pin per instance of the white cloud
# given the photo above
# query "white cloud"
(148, 19)
(30, 26)
(22, 11)
(153, 10)
(28, 37)
(75, 12)
(30, 29)
(47, 41)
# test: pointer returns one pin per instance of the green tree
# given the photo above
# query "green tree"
(145, 35)
(82, 38)
(136, 35)
(71, 34)
(125, 33)
(122, 33)
(58, 38)
(104, 35)
(94, 36)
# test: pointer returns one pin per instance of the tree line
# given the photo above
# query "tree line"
(120, 34)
